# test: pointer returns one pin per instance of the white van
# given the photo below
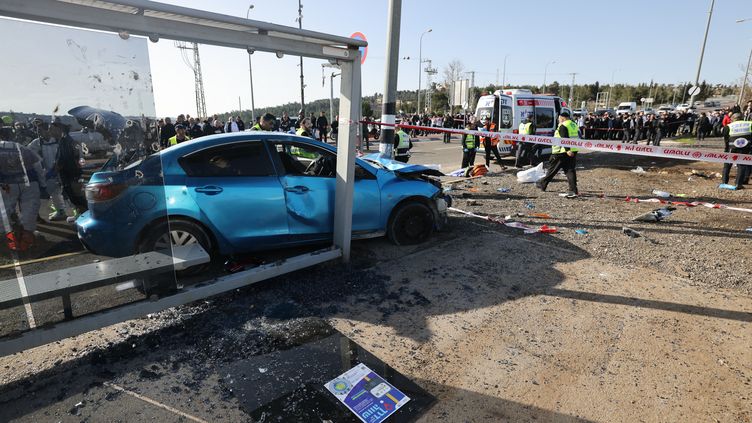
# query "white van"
(509, 108)
(626, 107)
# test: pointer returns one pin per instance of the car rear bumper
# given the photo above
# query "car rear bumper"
(103, 238)
(441, 211)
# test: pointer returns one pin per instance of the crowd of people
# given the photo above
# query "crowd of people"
(48, 166)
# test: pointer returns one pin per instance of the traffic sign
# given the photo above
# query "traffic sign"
(643, 99)
(363, 50)
(694, 90)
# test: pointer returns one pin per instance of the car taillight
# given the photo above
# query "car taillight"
(103, 191)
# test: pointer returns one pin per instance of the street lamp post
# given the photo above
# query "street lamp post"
(610, 87)
(545, 73)
(702, 53)
(420, 64)
(746, 73)
(250, 74)
(504, 73)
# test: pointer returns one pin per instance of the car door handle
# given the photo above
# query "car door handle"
(299, 189)
(209, 190)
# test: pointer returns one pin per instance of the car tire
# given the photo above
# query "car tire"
(412, 223)
(182, 232)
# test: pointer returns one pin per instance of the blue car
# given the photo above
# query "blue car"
(251, 191)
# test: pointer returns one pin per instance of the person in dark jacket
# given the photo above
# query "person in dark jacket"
(167, 132)
(323, 126)
(448, 124)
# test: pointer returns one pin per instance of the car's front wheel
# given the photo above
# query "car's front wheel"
(412, 223)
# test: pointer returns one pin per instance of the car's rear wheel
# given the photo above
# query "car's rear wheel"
(175, 233)
(412, 223)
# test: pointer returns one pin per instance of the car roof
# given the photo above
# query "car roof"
(219, 139)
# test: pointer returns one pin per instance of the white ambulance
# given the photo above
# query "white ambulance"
(509, 108)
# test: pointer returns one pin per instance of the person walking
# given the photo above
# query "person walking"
(563, 158)
(490, 144)
(448, 124)
(469, 147)
(46, 148)
(323, 126)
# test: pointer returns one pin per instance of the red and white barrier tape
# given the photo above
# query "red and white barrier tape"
(517, 225)
(694, 154)
(688, 204)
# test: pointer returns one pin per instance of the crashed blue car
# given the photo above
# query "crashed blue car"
(245, 192)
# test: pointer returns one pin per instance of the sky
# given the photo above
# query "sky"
(74, 67)
(630, 42)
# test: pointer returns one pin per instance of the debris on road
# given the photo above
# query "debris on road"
(662, 194)
(638, 170)
(656, 215)
(540, 215)
(504, 189)
(581, 231)
(727, 186)
(630, 232)
(545, 229)
(531, 175)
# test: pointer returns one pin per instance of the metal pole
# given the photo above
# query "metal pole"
(684, 92)
(610, 87)
(302, 81)
(744, 81)
(545, 73)
(702, 53)
(504, 73)
(250, 74)
(389, 105)
(331, 95)
(420, 65)
(571, 92)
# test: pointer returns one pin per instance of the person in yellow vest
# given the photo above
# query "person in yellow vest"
(563, 157)
(525, 150)
(402, 145)
(266, 123)
(469, 147)
(179, 136)
(305, 129)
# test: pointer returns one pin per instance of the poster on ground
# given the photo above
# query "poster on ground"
(366, 394)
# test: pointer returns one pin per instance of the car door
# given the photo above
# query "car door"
(239, 194)
(309, 184)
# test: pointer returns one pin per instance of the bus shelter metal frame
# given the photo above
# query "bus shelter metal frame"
(156, 21)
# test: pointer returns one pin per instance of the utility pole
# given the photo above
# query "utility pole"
(702, 54)
(389, 105)
(420, 66)
(302, 81)
(250, 72)
(571, 92)
(497, 76)
(197, 76)
(470, 96)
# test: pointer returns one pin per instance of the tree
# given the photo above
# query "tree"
(366, 110)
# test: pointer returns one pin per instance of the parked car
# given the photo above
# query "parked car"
(666, 109)
(244, 192)
(682, 107)
(600, 112)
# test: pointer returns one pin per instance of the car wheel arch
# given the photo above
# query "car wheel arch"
(415, 198)
(156, 222)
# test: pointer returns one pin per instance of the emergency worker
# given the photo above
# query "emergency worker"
(490, 144)
(20, 171)
(525, 150)
(469, 147)
(68, 164)
(179, 136)
(402, 145)
(563, 157)
(46, 148)
(305, 129)
(266, 123)
(740, 142)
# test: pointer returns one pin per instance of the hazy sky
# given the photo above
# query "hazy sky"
(634, 41)
(67, 67)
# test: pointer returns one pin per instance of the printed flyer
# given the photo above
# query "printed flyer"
(366, 394)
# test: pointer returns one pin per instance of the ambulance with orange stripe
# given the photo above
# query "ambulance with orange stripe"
(509, 108)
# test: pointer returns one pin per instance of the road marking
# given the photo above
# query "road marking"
(16, 266)
(39, 260)
(156, 403)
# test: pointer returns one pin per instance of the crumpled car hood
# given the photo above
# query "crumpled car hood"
(400, 168)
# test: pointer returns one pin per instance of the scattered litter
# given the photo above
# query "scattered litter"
(447, 190)
(687, 204)
(540, 215)
(466, 195)
(473, 189)
(545, 229)
(529, 206)
(700, 174)
(630, 232)
(473, 203)
(662, 194)
(656, 215)
(518, 225)
(581, 232)
(638, 169)
(263, 369)
(727, 186)
(681, 195)
(504, 189)
(531, 175)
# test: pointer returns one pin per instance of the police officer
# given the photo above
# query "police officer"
(469, 147)
(525, 150)
(739, 134)
(46, 148)
(20, 171)
(179, 136)
(402, 145)
(266, 123)
(563, 157)
(305, 129)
